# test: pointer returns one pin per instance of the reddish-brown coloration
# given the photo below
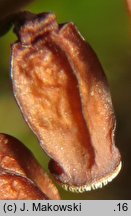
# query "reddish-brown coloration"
(129, 5)
(13, 187)
(61, 89)
(21, 177)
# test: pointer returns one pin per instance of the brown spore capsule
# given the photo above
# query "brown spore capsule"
(21, 177)
(63, 94)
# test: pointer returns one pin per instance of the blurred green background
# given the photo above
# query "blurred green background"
(106, 26)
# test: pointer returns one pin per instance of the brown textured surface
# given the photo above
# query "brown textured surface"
(19, 167)
(61, 89)
(13, 187)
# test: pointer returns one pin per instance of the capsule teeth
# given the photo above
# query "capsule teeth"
(96, 185)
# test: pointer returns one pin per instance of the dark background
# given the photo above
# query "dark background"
(107, 27)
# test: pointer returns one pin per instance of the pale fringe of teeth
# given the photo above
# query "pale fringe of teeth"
(95, 185)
